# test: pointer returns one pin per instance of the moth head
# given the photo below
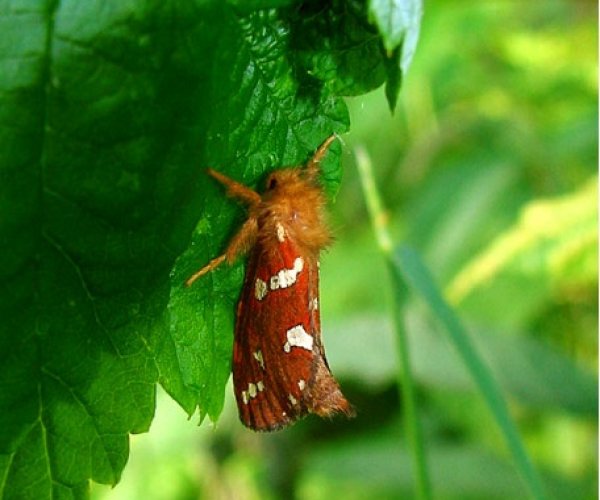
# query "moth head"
(285, 182)
(291, 197)
(300, 177)
(294, 201)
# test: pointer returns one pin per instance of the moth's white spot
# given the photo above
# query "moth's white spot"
(260, 289)
(252, 390)
(301, 384)
(293, 400)
(283, 414)
(287, 277)
(260, 386)
(314, 304)
(298, 337)
(245, 397)
(287, 347)
(258, 356)
(280, 232)
(274, 282)
(298, 264)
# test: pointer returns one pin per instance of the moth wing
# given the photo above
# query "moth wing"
(279, 370)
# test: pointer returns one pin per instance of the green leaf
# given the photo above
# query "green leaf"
(398, 22)
(394, 77)
(338, 48)
(249, 6)
(108, 115)
(88, 200)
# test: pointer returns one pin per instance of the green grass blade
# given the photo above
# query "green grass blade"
(406, 386)
(417, 277)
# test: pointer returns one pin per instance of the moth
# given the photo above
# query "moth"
(280, 372)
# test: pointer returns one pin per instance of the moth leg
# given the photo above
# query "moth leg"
(239, 245)
(206, 269)
(312, 167)
(235, 189)
(243, 241)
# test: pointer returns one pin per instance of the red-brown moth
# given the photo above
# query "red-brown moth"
(280, 372)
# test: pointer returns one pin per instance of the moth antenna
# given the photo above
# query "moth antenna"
(216, 262)
(312, 167)
(235, 189)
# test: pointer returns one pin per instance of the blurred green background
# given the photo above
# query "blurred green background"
(488, 169)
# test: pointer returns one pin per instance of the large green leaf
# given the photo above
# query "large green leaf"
(109, 111)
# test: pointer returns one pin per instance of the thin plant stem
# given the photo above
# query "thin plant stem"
(418, 278)
(407, 270)
(406, 383)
